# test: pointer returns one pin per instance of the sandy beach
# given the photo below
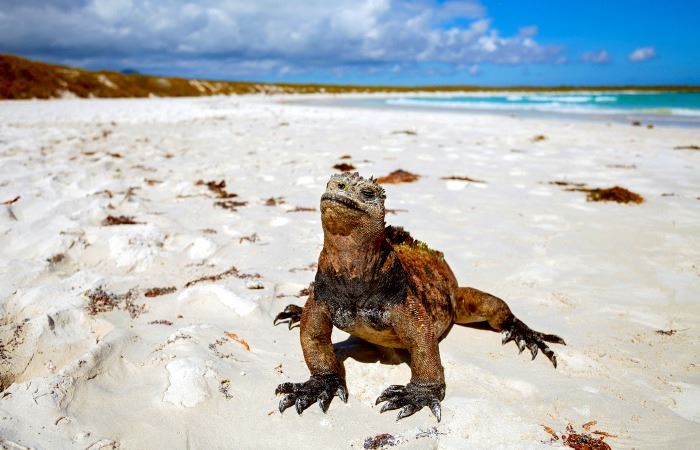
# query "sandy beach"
(138, 290)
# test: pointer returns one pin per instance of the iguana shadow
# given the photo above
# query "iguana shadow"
(362, 351)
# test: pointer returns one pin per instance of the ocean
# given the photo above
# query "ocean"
(681, 108)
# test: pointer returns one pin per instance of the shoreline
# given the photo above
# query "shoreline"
(381, 101)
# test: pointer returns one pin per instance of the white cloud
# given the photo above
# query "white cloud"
(596, 57)
(309, 34)
(642, 54)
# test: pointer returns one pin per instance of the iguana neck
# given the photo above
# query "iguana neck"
(352, 255)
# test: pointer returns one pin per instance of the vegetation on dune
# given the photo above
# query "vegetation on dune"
(22, 78)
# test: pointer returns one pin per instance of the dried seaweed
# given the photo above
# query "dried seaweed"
(158, 291)
(687, 147)
(583, 441)
(274, 201)
(231, 205)
(301, 209)
(232, 272)
(56, 259)
(217, 187)
(621, 166)
(119, 220)
(614, 194)
(253, 238)
(160, 322)
(380, 441)
(346, 157)
(567, 183)
(462, 178)
(539, 138)
(406, 132)
(344, 167)
(666, 332)
(101, 301)
(11, 201)
(224, 387)
(233, 336)
(398, 176)
(551, 432)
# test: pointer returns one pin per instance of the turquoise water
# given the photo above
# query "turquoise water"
(679, 105)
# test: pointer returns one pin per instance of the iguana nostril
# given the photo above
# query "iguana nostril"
(341, 186)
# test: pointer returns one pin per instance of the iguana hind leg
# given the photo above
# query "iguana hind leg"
(472, 305)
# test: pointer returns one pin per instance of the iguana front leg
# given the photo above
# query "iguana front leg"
(427, 386)
(326, 380)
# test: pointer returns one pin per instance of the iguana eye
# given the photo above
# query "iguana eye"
(368, 194)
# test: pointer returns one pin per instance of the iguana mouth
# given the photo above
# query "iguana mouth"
(345, 201)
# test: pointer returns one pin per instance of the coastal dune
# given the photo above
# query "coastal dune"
(147, 244)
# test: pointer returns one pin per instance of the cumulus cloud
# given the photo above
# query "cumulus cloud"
(596, 57)
(275, 35)
(642, 54)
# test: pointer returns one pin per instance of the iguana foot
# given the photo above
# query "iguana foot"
(412, 398)
(319, 388)
(525, 337)
(290, 315)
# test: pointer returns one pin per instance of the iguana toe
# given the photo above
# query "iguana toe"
(290, 315)
(525, 337)
(412, 398)
(318, 389)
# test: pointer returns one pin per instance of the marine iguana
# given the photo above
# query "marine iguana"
(377, 283)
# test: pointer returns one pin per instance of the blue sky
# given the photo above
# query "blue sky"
(518, 42)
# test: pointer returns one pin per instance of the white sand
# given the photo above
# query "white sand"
(603, 276)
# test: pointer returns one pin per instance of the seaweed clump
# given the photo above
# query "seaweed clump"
(217, 187)
(380, 441)
(583, 441)
(101, 301)
(344, 167)
(614, 194)
(233, 271)
(398, 176)
(119, 220)
(158, 291)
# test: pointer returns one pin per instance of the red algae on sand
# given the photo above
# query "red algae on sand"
(398, 176)
(581, 441)
(614, 194)
(344, 167)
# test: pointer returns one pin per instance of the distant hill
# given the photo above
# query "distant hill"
(21, 78)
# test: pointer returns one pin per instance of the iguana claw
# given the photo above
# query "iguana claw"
(525, 337)
(290, 315)
(412, 398)
(318, 389)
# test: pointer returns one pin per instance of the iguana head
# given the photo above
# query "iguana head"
(352, 205)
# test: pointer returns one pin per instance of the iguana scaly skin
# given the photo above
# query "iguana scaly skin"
(381, 285)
